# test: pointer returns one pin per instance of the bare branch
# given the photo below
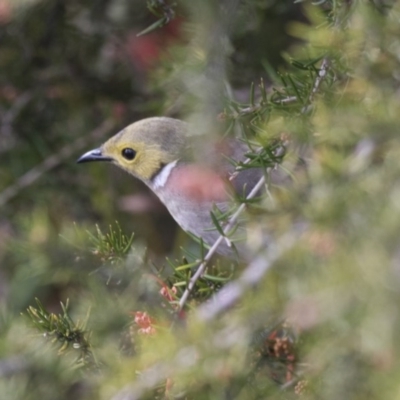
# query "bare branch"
(285, 100)
(317, 83)
(8, 117)
(52, 161)
(213, 249)
(252, 275)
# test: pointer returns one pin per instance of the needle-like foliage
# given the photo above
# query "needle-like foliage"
(312, 89)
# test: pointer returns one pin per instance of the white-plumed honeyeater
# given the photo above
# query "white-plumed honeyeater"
(157, 151)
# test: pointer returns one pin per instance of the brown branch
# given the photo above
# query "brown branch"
(53, 161)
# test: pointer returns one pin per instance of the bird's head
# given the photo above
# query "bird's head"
(143, 148)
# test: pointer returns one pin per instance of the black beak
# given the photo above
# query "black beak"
(93, 155)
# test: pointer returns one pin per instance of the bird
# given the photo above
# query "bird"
(159, 152)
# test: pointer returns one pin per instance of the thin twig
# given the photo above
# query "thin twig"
(53, 161)
(8, 117)
(240, 168)
(285, 100)
(228, 227)
(317, 83)
(292, 99)
(252, 275)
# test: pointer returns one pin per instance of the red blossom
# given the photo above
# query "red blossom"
(168, 293)
(143, 320)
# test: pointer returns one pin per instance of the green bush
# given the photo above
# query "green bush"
(314, 314)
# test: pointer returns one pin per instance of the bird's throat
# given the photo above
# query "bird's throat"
(161, 178)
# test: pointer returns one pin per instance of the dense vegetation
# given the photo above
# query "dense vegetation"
(94, 272)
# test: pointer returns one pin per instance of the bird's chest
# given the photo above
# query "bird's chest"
(190, 193)
(192, 216)
(196, 219)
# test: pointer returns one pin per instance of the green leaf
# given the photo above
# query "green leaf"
(158, 24)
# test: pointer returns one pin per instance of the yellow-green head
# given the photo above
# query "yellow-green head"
(143, 148)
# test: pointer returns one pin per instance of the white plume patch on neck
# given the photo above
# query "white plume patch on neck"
(162, 177)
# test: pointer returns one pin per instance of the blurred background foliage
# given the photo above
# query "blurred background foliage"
(104, 259)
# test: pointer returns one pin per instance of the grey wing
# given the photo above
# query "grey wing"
(245, 180)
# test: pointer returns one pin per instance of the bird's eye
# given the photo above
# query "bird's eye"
(128, 153)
